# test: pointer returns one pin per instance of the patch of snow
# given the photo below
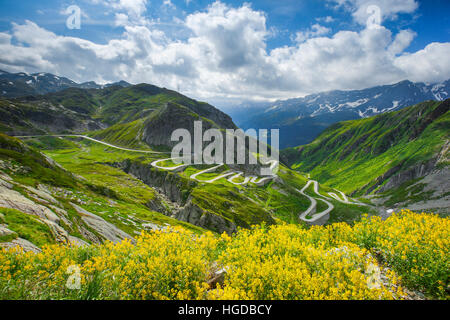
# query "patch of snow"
(323, 107)
(389, 109)
(437, 87)
(357, 103)
(272, 108)
(29, 81)
(374, 110)
(437, 96)
(313, 100)
(369, 112)
(395, 104)
(437, 93)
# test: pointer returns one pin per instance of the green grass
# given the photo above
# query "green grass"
(38, 169)
(51, 143)
(130, 104)
(27, 227)
(93, 163)
(78, 100)
(124, 135)
(230, 204)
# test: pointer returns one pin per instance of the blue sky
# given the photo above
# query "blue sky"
(230, 50)
(431, 21)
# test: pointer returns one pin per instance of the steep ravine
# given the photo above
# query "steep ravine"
(177, 191)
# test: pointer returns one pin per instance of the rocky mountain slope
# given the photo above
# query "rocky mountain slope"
(302, 120)
(40, 203)
(393, 156)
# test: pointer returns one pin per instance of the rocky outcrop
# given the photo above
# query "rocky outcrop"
(101, 226)
(14, 200)
(77, 242)
(5, 232)
(418, 171)
(60, 234)
(88, 235)
(195, 215)
(171, 185)
(41, 194)
(396, 176)
(217, 276)
(22, 243)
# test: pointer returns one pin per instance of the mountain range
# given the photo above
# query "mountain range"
(13, 85)
(301, 120)
(75, 110)
(396, 159)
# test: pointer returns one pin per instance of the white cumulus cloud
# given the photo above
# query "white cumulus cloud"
(316, 30)
(389, 9)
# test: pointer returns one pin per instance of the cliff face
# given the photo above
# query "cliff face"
(396, 179)
(160, 124)
(195, 215)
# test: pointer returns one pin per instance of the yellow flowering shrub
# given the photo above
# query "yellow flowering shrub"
(168, 264)
(373, 259)
(284, 263)
(417, 246)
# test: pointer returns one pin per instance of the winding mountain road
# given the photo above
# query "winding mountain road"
(334, 196)
(316, 218)
(155, 164)
(195, 175)
(94, 140)
(322, 217)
